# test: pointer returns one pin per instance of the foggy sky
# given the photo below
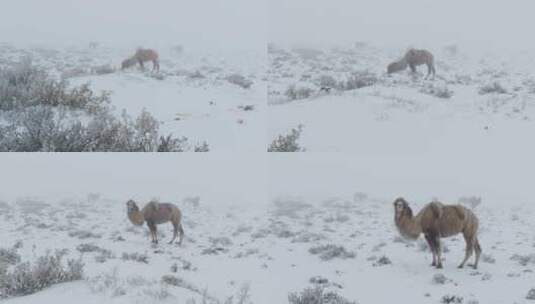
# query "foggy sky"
(201, 23)
(219, 177)
(483, 23)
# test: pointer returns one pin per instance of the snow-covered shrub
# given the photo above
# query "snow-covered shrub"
(287, 143)
(84, 234)
(295, 93)
(437, 91)
(531, 294)
(524, 260)
(43, 128)
(382, 261)
(27, 278)
(74, 72)
(330, 251)
(239, 80)
(9, 256)
(451, 299)
(357, 80)
(326, 81)
(137, 257)
(26, 86)
(494, 87)
(439, 279)
(317, 295)
(487, 258)
(103, 69)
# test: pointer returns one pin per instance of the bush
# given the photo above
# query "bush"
(27, 279)
(437, 91)
(531, 294)
(103, 69)
(294, 93)
(451, 299)
(494, 87)
(9, 256)
(26, 86)
(42, 114)
(287, 143)
(326, 81)
(317, 295)
(137, 257)
(329, 252)
(239, 80)
(357, 80)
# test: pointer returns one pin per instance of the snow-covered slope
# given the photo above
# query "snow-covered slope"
(217, 97)
(366, 111)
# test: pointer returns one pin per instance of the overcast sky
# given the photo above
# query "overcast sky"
(218, 177)
(199, 23)
(407, 22)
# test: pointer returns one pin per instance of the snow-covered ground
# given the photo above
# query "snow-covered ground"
(270, 251)
(323, 221)
(191, 95)
(402, 111)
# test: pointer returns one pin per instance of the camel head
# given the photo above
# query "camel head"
(128, 63)
(401, 207)
(131, 206)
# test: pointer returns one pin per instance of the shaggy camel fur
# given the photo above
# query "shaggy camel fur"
(141, 56)
(412, 59)
(155, 213)
(437, 221)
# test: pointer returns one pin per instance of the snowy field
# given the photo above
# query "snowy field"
(337, 236)
(477, 97)
(206, 96)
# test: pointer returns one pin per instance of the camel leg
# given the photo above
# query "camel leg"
(181, 231)
(429, 71)
(469, 249)
(413, 68)
(477, 248)
(438, 249)
(175, 228)
(432, 248)
(152, 229)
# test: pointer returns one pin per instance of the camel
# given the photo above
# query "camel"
(155, 213)
(436, 221)
(141, 56)
(412, 59)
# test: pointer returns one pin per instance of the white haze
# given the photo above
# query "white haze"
(217, 177)
(418, 177)
(473, 24)
(214, 24)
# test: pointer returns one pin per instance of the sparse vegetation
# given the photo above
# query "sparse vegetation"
(295, 93)
(43, 114)
(494, 87)
(317, 295)
(287, 143)
(48, 270)
(330, 251)
(239, 80)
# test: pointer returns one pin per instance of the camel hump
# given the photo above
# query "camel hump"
(154, 205)
(460, 211)
(437, 208)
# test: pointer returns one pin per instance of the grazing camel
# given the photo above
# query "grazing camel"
(412, 59)
(141, 56)
(155, 213)
(437, 221)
